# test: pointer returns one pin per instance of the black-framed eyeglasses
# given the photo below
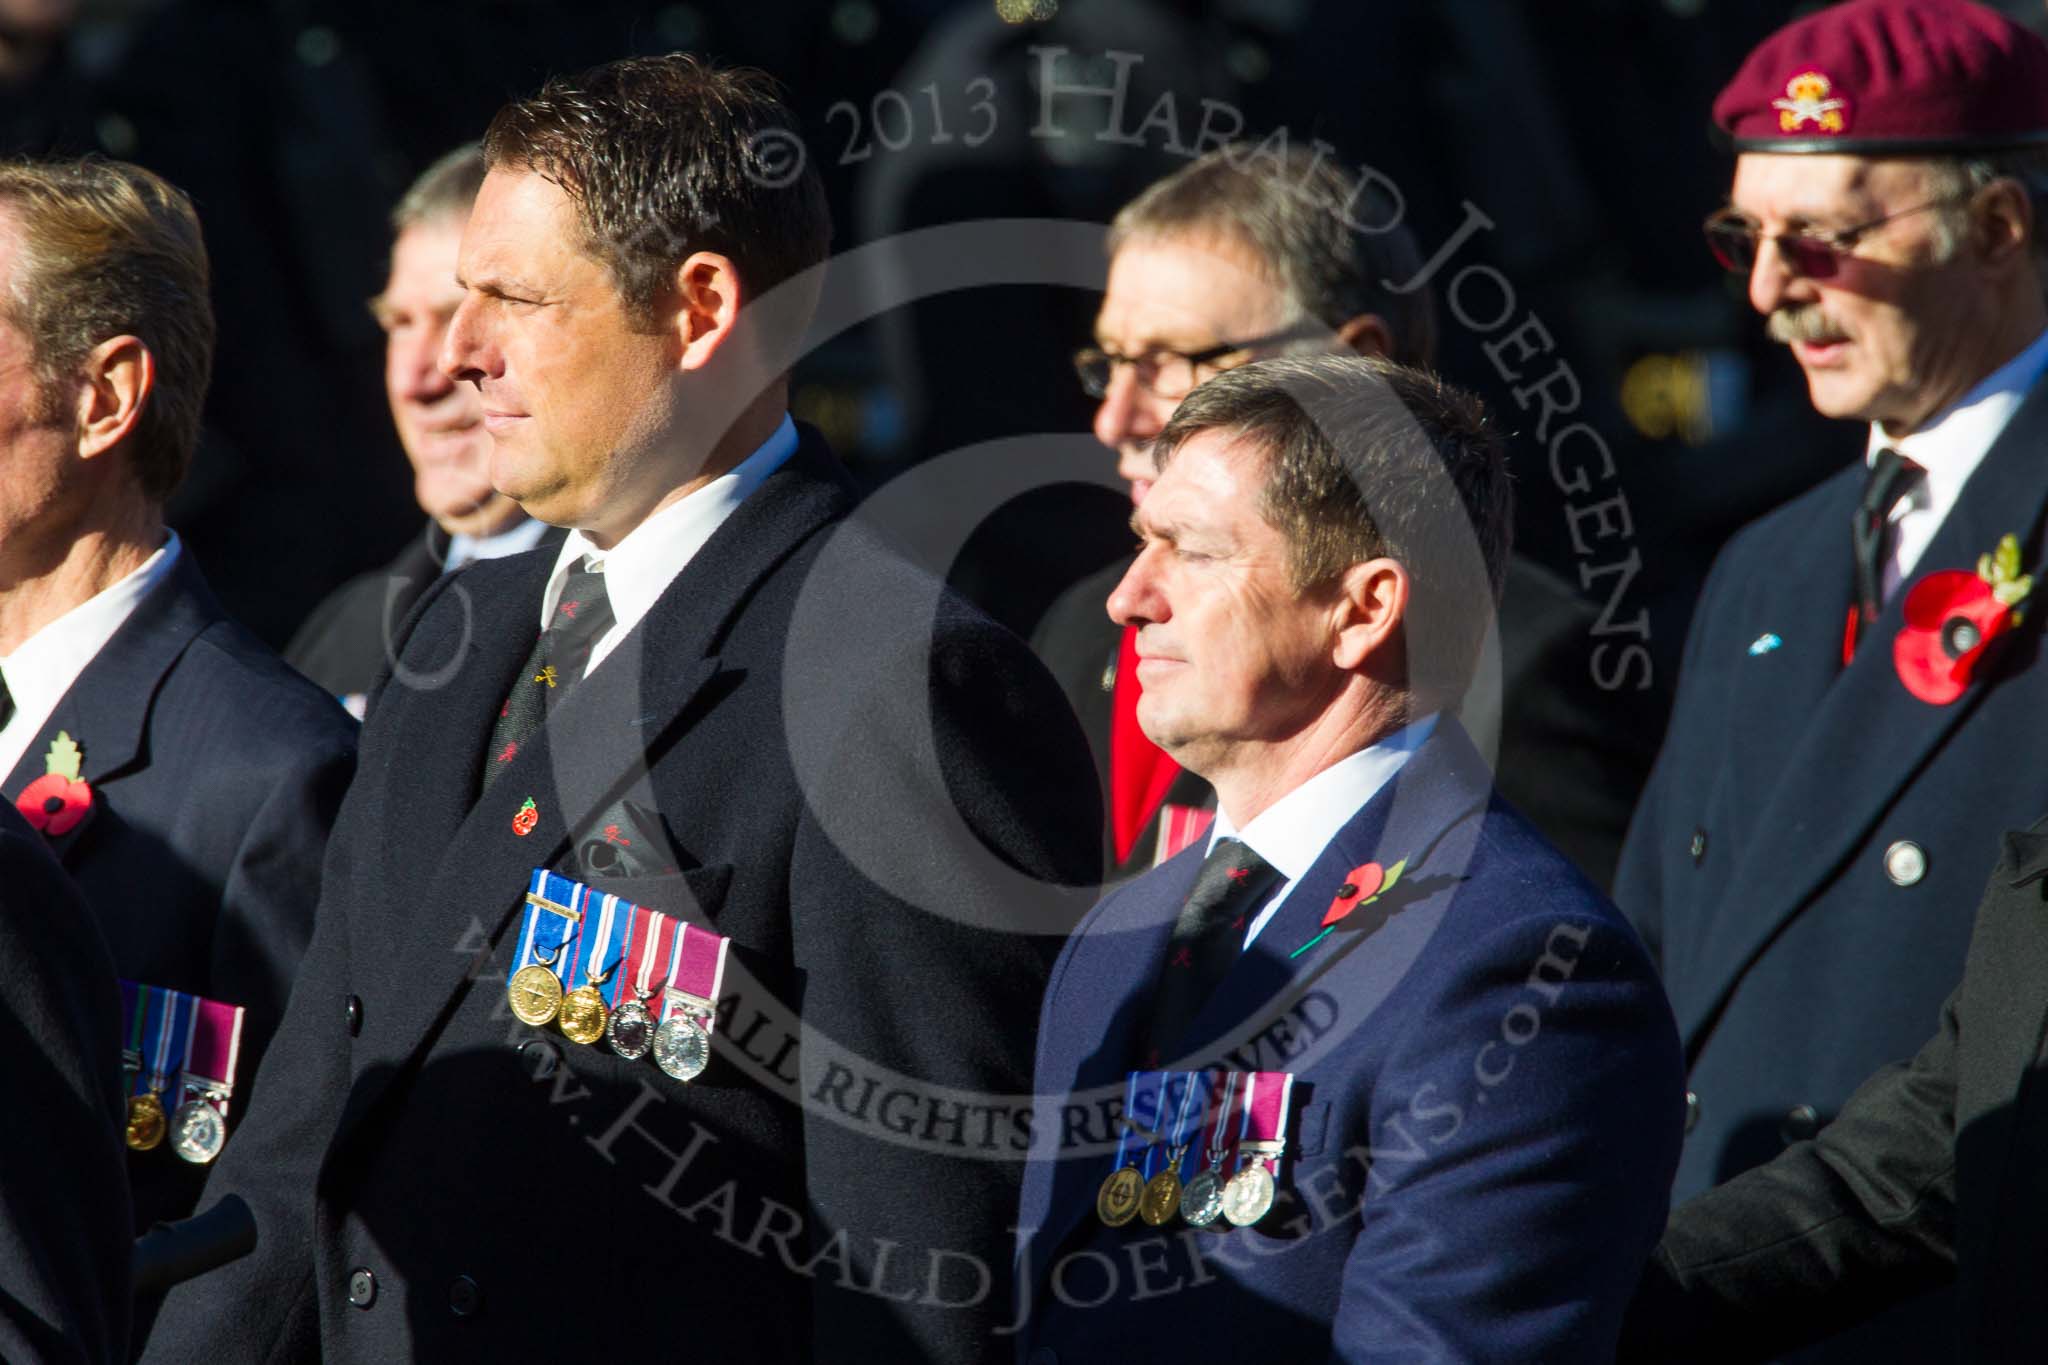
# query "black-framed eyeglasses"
(1166, 373)
(1733, 236)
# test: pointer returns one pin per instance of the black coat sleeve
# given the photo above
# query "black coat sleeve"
(925, 927)
(1826, 1235)
(64, 1223)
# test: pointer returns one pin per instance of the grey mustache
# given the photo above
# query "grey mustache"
(1807, 323)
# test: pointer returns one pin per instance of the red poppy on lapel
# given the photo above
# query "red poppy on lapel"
(55, 802)
(1363, 885)
(1952, 618)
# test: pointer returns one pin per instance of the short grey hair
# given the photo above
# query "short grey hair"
(1367, 458)
(1959, 178)
(1332, 240)
(445, 189)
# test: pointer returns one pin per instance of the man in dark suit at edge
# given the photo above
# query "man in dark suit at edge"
(66, 1232)
(800, 741)
(206, 772)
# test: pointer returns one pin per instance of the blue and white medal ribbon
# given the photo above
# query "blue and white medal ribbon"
(533, 985)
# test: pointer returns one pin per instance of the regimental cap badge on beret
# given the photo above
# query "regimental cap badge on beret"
(1810, 101)
(1891, 78)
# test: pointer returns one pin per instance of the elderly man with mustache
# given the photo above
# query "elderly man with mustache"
(1857, 718)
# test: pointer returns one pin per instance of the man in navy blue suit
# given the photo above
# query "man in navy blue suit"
(183, 775)
(1376, 1030)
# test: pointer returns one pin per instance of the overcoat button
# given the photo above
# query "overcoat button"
(1692, 1111)
(1699, 846)
(355, 1015)
(362, 1287)
(464, 1298)
(1905, 862)
(1800, 1124)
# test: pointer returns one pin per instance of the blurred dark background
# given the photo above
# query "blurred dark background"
(1580, 129)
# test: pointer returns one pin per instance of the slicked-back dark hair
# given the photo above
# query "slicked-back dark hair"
(665, 156)
(1366, 458)
(1330, 238)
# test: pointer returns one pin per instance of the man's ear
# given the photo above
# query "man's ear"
(707, 304)
(2004, 221)
(1372, 603)
(115, 381)
(1367, 334)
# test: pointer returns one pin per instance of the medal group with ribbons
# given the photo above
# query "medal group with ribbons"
(603, 969)
(180, 1050)
(1211, 1150)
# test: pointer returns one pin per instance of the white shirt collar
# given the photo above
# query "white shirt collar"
(647, 559)
(1293, 832)
(42, 669)
(523, 536)
(1951, 444)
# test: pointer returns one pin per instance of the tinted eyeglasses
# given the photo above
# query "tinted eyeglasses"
(1733, 237)
(1166, 373)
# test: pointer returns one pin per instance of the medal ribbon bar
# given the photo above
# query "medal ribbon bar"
(1269, 1095)
(607, 952)
(696, 975)
(550, 919)
(1221, 1139)
(215, 1048)
(169, 1032)
(651, 950)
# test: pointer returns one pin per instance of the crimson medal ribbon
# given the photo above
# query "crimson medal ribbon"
(696, 972)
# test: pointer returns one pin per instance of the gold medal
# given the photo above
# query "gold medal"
(535, 994)
(1161, 1199)
(583, 1015)
(1117, 1202)
(146, 1123)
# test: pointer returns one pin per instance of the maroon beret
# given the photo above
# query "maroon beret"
(1890, 78)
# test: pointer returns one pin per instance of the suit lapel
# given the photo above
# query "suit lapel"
(1418, 816)
(1796, 617)
(1869, 736)
(601, 740)
(106, 711)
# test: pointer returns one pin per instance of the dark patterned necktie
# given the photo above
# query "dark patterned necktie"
(6, 703)
(560, 657)
(1207, 938)
(1891, 474)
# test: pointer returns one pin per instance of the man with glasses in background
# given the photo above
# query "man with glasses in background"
(1854, 722)
(1237, 255)
(1247, 253)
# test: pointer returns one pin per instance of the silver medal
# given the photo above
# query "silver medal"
(682, 1046)
(1201, 1201)
(1248, 1195)
(197, 1131)
(631, 1031)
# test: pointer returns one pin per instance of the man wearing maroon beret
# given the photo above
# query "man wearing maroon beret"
(1857, 720)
